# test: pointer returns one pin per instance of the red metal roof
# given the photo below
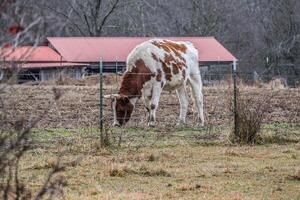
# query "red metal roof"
(92, 49)
(29, 54)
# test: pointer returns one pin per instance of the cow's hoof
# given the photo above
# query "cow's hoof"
(116, 125)
(181, 125)
(151, 124)
(200, 125)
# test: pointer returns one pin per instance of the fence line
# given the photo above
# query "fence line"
(202, 74)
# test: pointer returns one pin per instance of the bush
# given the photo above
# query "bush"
(251, 111)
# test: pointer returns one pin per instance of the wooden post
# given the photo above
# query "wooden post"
(101, 102)
(235, 109)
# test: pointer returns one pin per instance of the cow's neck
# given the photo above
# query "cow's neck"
(134, 80)
(130, 86)
(127, 90)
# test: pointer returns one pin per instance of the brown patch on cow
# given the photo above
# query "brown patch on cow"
(167, 71)
(175, 68)
(152, 106)
(169, 58)
(181, 58)
(161, 45)
(158, 75)
(173, 45)
(133, 81)
(183, 74)
(170, 46)
(177, 65)
(154, 57)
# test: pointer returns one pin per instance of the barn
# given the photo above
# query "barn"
(78, 56)
(39, 63)
(113, 51)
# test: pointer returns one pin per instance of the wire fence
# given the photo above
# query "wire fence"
(208, 79)
(79, 106)
(211, 75)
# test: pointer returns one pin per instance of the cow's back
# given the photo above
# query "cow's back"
(168, 62)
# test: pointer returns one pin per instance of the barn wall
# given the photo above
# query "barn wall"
(54, 73)
(4, 75)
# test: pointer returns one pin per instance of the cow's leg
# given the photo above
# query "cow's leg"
(183, 99)
(196, 84)
(147, 103)
(156, 92)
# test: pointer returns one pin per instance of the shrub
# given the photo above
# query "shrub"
(252, 110)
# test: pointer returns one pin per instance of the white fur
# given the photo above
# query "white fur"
(153, 88)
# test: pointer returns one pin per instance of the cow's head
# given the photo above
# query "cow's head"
(122, 108)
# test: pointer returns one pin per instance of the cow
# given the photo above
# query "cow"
(154, 66)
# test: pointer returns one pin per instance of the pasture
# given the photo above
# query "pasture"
(169, 164)
(165, 162)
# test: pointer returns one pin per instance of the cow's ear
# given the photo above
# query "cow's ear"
(126, 99)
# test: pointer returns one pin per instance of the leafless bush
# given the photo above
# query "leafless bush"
(15, 141)
(251, 111)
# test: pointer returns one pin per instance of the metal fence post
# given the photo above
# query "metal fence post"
(116, 70)
(101, 102)
(235, 107)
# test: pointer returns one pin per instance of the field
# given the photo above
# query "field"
(79, 106)
(169, 164)
(163, 162)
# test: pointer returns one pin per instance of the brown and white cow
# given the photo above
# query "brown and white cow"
(154, 66)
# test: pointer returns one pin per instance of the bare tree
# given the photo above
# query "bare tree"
(87, 18)
(280, 27)
(252, 30)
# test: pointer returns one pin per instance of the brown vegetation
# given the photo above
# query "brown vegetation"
(79, 106)
(92, 80)
(251, 113)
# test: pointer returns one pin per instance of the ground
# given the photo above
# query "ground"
(158, 163)
(169, 163)
(79, 106)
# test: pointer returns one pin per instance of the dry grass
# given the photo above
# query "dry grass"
(79, 106)
(251, 114)
(276, 84)
(92, 80)
(171, 168)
